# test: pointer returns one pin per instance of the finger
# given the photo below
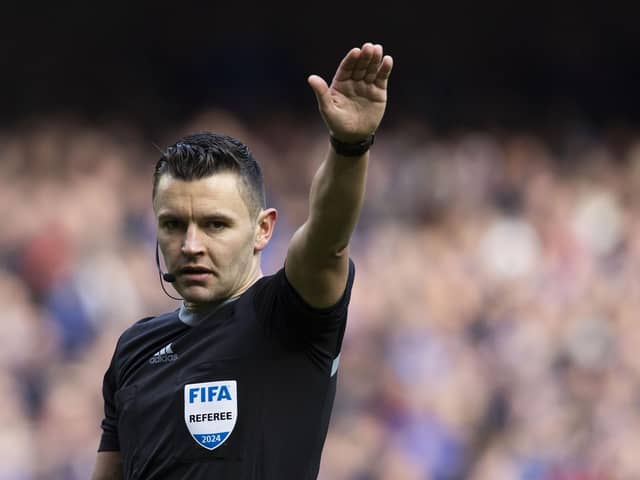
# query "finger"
(374, 65)
(321, 89)
(384, 72)
(348, 64)
(366, 54)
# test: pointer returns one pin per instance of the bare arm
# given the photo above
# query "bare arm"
(352, 107)
(108, 466)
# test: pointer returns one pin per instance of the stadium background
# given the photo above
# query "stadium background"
(493, 330)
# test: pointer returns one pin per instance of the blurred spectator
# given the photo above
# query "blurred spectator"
(493, 329)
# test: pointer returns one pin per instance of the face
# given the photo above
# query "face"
(208, 238)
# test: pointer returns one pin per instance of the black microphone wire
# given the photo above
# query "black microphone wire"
(161, 275)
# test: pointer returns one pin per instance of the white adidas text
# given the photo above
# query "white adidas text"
(164, 355)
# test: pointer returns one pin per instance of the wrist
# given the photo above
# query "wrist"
(352, 149)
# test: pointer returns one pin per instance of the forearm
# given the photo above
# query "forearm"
(352, 107)
(335, 202)
(108, 466)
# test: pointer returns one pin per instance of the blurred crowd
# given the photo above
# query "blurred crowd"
(492, 330)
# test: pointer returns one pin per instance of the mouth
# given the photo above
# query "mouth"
(195, 273)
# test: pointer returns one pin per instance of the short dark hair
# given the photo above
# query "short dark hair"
(203, 154)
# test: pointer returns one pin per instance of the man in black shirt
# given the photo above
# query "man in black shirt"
(239, 382)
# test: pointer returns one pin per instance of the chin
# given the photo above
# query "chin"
(195, 294)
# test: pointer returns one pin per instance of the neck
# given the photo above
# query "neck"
(255, 275)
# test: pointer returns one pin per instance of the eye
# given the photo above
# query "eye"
(215, 225)
(170, 225)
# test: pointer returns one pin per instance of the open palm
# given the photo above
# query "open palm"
(353, 105)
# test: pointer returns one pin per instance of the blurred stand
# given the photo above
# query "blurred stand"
(493, 325)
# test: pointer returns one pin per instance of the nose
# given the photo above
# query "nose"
(192, 245)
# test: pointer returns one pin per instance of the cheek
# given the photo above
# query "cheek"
(169, 249)
(243, 250)
(231, 251)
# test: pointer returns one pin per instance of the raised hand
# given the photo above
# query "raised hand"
(353, 105)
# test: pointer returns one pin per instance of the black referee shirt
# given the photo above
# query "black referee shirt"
(245, 394)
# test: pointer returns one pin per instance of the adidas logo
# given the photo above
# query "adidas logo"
(164, 355)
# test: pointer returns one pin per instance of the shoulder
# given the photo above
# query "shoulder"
(149, 323)
(278, 288)
(144, 328)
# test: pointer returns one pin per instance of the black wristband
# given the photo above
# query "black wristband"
(352, 149)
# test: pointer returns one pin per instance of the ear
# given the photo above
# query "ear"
(264, 228)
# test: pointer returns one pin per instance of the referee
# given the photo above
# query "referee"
(239, 382)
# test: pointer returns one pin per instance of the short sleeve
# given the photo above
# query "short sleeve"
(301, 325)
(109, 441)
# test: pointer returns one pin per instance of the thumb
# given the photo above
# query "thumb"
(320, 88)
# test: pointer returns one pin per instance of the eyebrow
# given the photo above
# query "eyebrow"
(217, 216)
(166, 215)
